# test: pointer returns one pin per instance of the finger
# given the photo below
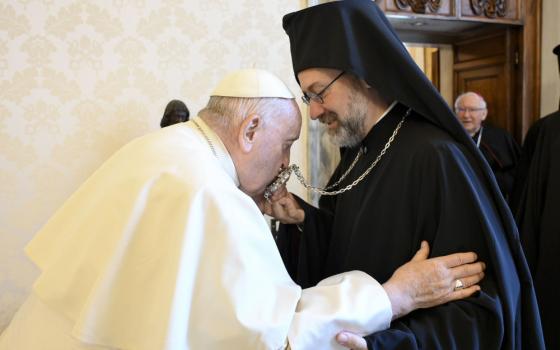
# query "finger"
(268, 208)
(284, 201)
(472, 280)
(278, 211)
(422, 253)
(351, 341)
(280, 193)
(289, 204)
(458, 259)
(467, 270)
(295, 213)
(463, 293)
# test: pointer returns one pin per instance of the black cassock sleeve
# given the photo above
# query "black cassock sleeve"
(305, 259)
(454, 213)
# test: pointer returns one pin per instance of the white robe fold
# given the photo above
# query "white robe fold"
(159, 249)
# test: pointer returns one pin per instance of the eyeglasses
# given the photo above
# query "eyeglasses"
(318, 97)
(470, 110)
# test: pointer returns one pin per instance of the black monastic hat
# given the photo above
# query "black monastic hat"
(355, 36)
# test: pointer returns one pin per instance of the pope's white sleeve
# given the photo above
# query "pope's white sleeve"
(351, 301)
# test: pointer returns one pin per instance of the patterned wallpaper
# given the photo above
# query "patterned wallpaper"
(78, 79)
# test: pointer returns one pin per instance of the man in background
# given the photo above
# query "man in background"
(496, 145)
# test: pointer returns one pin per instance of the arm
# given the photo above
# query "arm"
(356, 302)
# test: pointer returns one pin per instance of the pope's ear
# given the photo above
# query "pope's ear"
(250, 127)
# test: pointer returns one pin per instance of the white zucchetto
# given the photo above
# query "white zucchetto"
(252, 83)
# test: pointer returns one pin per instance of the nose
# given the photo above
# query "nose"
(315, 110)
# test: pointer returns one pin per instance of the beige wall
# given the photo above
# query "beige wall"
(78, 79)
(550, 92)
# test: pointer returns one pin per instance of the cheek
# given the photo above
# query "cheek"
(270, 162)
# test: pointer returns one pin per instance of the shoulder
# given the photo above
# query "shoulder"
(420, 136)
(495, 134)
(426, 146)
(551, 123)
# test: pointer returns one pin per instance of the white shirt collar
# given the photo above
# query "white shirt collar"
(220, 149)
(387, 111)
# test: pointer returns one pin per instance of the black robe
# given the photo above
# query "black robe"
(424, 188)
(502, 154)
(536, 205)
(433, 184)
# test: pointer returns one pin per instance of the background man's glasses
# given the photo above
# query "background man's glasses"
(470, 110)
(318, 97)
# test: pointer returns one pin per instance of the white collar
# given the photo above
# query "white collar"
(216, 146)
(387, 111)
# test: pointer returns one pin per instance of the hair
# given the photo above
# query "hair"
(172, 110)
(227, 113)
(460, 97)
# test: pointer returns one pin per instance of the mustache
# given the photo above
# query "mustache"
(328, 117)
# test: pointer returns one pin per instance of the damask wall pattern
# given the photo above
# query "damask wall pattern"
(79, 79)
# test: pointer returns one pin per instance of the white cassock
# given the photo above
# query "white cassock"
(159, 249)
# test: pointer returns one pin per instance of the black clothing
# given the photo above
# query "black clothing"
(424, 188)
(501, 152)
(536, 205)
(175, 112)
(432, 184)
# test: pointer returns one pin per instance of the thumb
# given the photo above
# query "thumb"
(267, 208)
(422, 253)
(351, 341)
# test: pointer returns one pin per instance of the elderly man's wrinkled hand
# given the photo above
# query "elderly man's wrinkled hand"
(423, 283)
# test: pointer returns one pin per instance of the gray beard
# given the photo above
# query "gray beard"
(350, 131)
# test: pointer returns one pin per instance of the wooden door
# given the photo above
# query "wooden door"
(488, 65)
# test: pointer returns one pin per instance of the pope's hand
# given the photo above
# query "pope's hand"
(284, 207)
(423, 282)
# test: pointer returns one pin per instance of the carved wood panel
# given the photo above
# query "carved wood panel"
(419, 6)
(499, 10)
(490, 8)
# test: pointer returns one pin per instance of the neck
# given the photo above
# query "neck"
(475, 132)
(375, 112)
(376, 108)
(225, 136)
